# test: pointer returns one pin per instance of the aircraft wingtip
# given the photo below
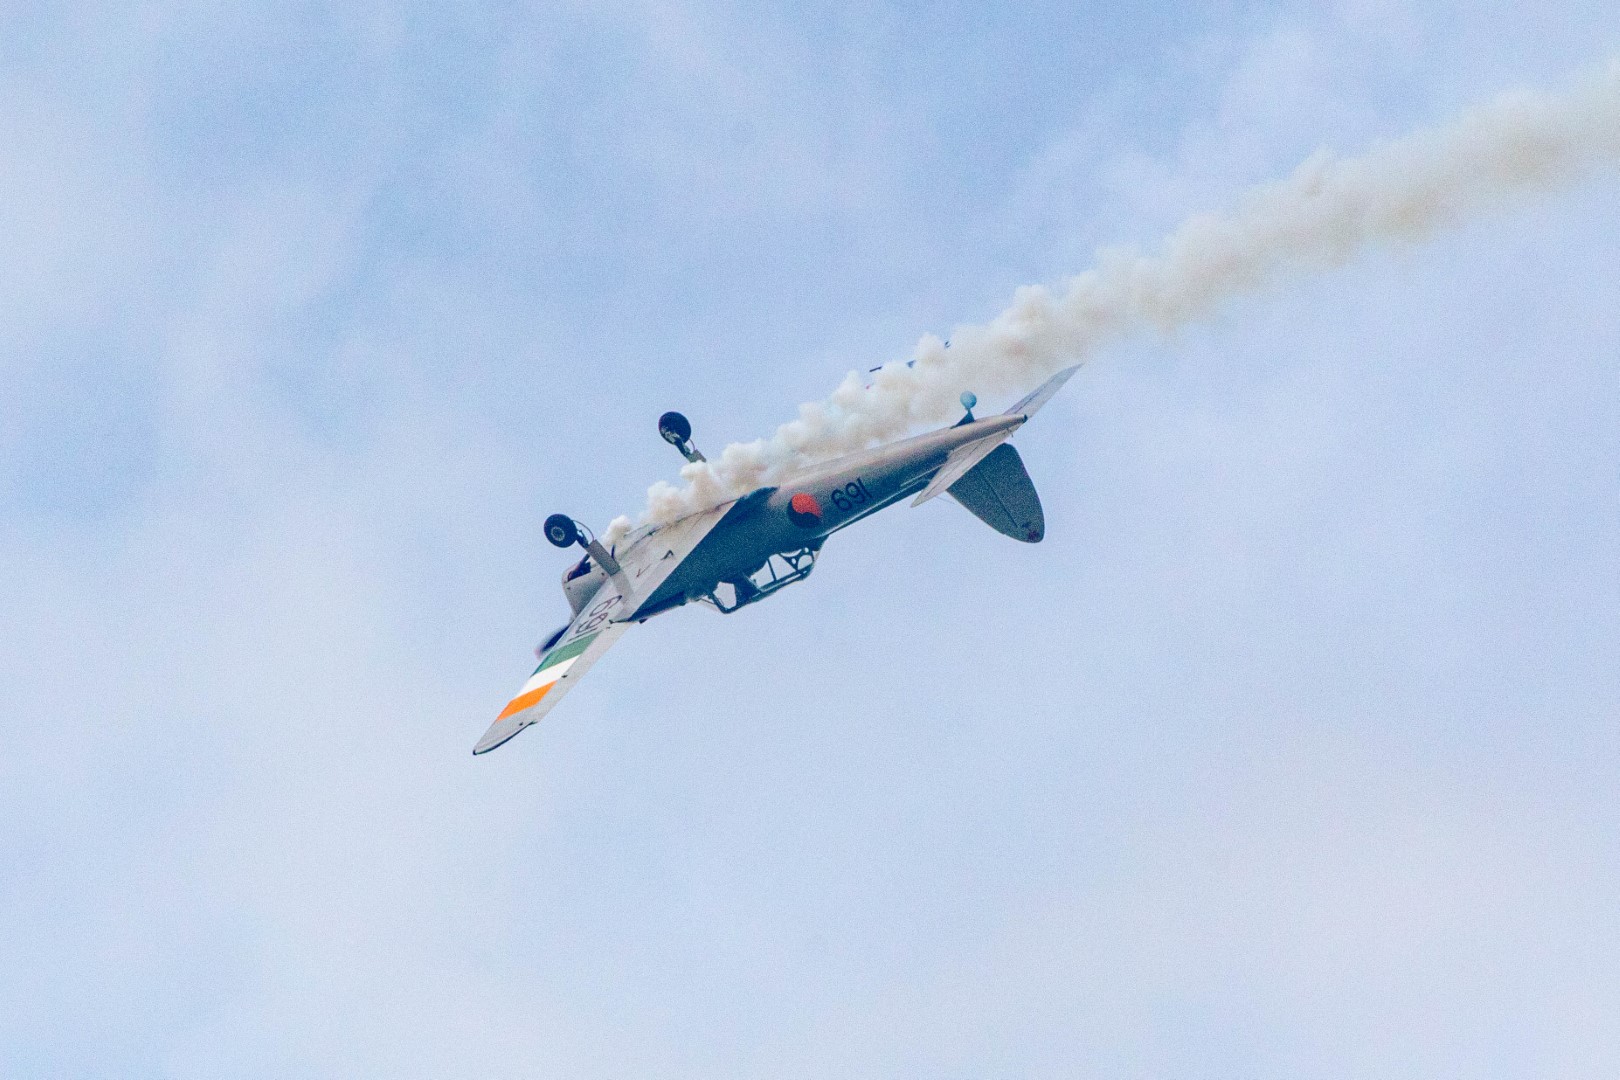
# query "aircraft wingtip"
(499, 732)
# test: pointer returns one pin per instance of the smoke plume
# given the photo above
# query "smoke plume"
(1322, 215)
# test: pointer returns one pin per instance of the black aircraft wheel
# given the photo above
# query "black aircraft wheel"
(561, 531)
(674, 428)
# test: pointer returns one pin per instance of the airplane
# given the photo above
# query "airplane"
(746, 549)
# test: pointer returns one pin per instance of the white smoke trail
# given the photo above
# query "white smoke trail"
(1322, 215)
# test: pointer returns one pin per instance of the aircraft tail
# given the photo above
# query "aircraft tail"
(1031, 403)
(999, 493)
(997, 489)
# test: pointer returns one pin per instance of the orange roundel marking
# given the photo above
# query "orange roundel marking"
(523, 701)
(804, 511)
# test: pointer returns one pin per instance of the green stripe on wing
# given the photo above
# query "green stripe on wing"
(566, 652)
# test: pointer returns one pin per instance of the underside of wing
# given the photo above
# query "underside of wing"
(648, 559)
(655, 555)
(587, 639)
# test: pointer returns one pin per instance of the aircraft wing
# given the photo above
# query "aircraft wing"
(559, 670)
(651, 557)
(655, 553)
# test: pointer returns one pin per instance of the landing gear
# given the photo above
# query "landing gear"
(778, 572)
(677, 431)
(562, 531)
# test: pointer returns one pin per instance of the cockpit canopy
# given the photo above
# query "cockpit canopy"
(581, 581)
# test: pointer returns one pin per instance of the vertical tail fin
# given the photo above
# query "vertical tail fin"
(999, 493)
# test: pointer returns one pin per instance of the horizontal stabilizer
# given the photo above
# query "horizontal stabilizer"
(962, 459)
(1042, 394)
(999, 493)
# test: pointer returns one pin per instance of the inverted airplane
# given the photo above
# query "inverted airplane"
(741, 551)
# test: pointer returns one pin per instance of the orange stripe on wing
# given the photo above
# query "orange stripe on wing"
(523, 701)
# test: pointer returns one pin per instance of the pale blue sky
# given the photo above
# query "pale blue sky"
(1292, 752)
